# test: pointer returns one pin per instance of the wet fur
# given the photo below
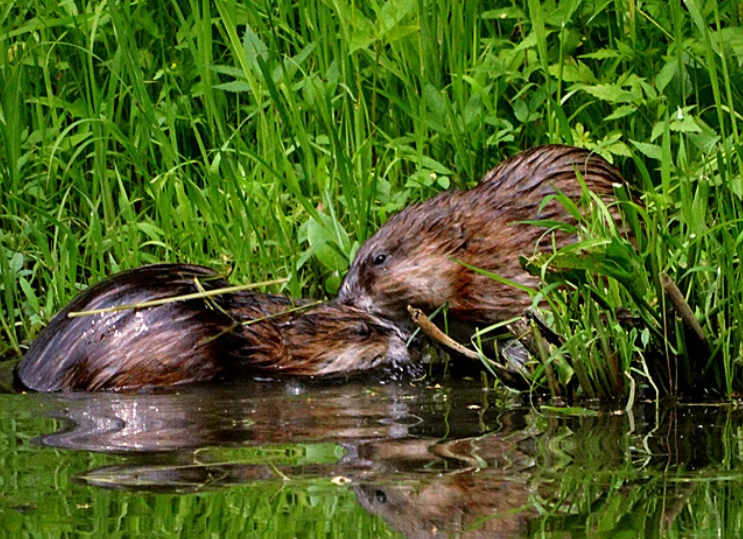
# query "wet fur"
(200, 339)
(424, 243)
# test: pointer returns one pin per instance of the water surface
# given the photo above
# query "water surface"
(362, 459)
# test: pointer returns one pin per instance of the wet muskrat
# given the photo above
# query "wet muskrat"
(414, 258)
(199, 339)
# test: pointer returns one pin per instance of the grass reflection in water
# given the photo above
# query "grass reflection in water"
(285, 460)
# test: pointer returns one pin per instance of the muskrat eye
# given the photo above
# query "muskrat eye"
(379, 259)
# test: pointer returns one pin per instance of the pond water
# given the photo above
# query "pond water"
(363, 460)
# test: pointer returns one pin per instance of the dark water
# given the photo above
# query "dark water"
(363, 460)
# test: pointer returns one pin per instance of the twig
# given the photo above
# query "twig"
(432, 331)
(683, 309)
(282, 313)
(164, 301)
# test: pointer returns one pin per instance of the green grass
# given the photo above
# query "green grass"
(275, 137)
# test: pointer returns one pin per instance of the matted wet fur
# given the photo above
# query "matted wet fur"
(414, 258)
(199, 339)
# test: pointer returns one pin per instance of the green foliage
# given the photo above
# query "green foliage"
(275, 137)
(626, 324)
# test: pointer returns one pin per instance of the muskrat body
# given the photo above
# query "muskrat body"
(198, 339)
(414, 258)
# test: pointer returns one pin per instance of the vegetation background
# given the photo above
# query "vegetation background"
(274, 137)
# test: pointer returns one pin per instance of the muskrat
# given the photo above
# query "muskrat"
(199, 339)
(414, 258)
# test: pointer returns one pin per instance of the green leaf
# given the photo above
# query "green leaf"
(621, 112)
(666, 74)
(329, 242)
(684, 122)
(392, 12)
(573, 72)
(333, 284)
(233, 72)
(236, 86)
(653, 151)
(732, 37)
(29, 293)
(521, 111)
(254, 48)
(610, 93)
(360, 40)
(505, 13)
(602, 54)
(434, 100)
(360, 29)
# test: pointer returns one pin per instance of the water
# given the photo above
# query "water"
(362, 460)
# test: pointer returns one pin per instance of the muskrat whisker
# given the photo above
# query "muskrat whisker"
(185, 297)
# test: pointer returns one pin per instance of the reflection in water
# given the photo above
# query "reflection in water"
(431, 462)
(482, 489)
(468, 505)
(430, 467)
(261, 413)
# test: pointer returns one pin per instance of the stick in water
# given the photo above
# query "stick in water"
(430, 329)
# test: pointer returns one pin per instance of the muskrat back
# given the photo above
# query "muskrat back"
(414, 258)
(198, 339)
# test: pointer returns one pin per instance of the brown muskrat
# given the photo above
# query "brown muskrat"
(414, 258)
(198, 339)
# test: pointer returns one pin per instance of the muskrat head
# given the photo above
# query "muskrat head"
(339, 339)
(411, 260)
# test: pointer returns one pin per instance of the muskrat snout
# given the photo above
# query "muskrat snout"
(337, 339)
(353, 295)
